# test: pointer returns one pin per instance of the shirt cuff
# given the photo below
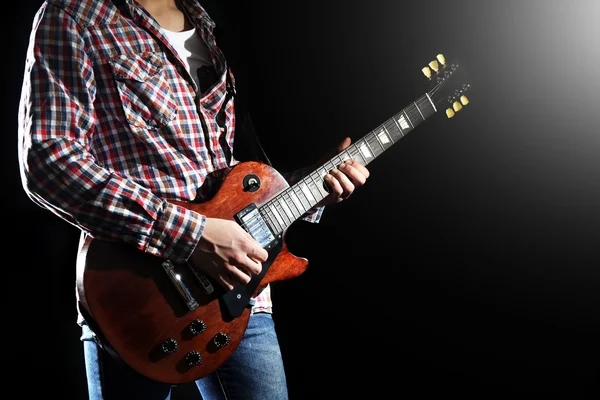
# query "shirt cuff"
(176, 233)
(313, 215)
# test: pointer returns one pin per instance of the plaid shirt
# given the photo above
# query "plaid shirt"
(112, 126)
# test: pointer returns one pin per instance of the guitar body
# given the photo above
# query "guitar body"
(165, 320)
(142, 316)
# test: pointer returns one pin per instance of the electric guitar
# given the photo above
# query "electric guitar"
(173, 324)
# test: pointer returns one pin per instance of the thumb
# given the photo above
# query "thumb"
(344, 144)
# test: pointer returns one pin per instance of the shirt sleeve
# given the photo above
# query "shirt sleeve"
(57, 123)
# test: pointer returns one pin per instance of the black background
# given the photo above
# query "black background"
(467, 266)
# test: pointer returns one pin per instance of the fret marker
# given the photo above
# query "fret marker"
(365, 151)
(403, 123)
(297, 202)
(276, 214)
(383, 137)
(307, 193)
(287, 210)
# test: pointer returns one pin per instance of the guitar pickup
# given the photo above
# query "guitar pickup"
(252, 221)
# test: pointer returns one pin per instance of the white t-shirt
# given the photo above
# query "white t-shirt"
(191, 48)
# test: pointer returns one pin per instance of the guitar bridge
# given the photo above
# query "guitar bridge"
(181, 287)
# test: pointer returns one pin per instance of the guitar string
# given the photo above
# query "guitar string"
(412, 110)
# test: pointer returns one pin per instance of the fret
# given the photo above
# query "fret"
(277, 221)
(292, 205)
(408, 118)
(354, 154)
(320, 174)
(338, 159)
(346, 155)
(286, 210)
(297, 202)
(398, 126)
(309, 185)
(380, 141)
(419, 110)
(287, 219)
(320, 190)
(432, 105)
(302, 197)
(427, 106)
(268, 216)
(412, 116)
(366, 151)
(386, 133)
(364, 161)
(374, 145)
(306, 205)
(328, 166)
(394, 129)
(307, 193)
(277, 216)
(323, 171)
(273, 209)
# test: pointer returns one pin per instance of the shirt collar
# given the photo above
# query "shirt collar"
(192, 8)
(196, 12)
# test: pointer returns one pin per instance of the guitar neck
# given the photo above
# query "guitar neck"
(289, 205)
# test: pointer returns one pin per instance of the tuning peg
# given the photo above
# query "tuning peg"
(434, 65)
(441, 59)
(464, 100)
(457, 106)
(427, 72)
(449, 112)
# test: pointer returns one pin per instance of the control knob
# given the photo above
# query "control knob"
(221, 339)
(197, 326)
(169, 346)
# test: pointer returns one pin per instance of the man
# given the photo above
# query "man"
(127, 109)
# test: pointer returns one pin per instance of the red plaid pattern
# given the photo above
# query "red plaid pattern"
(111, 128)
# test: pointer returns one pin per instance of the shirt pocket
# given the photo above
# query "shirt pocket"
(146, 96)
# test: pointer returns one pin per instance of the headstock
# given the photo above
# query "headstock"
(449, 85)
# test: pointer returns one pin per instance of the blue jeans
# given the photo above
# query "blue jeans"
(254, 372)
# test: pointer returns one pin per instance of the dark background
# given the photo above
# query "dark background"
(467, 266)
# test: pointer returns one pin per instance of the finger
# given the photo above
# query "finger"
(257, 253)
(226, 282)
(344, 144)
(336, 191)
(237, 274)
(354, 174)
(243, 261)
(344, 182)
(251, 267)
(359, 167)
(333, 186)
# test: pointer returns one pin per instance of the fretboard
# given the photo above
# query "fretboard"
(292, 203)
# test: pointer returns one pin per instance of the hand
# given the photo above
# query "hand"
(345, 179)
(227, 253)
